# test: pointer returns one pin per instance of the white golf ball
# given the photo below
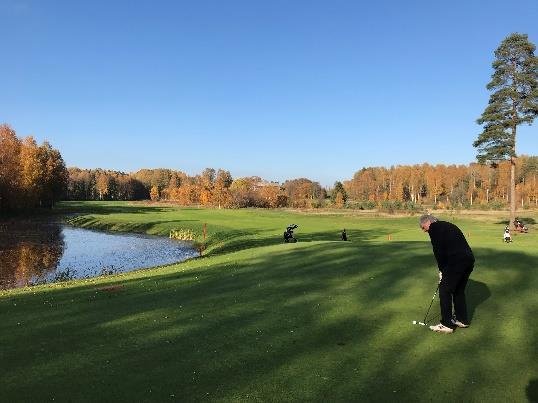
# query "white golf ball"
(414, 322)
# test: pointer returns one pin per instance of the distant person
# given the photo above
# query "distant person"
(506, 236)
(344, 235)
(455, 260)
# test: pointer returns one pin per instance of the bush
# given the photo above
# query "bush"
(369, 205)
(495, 205)
(315, 203)
(390, 206)
(360, 205)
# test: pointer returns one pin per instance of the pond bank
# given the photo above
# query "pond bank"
(37, 251)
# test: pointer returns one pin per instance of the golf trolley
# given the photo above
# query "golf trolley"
(288, 234)
(520, 227)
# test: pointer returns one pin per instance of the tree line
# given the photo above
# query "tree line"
(402, 186)
(215, 188)
(446, 185)
(31, 175)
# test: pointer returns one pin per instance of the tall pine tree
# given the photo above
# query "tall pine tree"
(514, 101)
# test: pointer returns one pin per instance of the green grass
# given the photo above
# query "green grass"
(259, 320)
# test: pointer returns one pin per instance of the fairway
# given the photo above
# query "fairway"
(255, 319)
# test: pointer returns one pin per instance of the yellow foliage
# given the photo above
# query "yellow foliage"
(154, 194)
(339, 200)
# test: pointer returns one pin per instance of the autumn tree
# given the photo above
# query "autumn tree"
(514, 101)
(154, 193)
(339, 200)
(113, 185)
(10, 148)
(55, 177)
(159, 177)
(242, 192)
(221, 188)
(30, 175)
(302, 192)
(527, 178)
(101, 184)
(32, 172)
(269, 195)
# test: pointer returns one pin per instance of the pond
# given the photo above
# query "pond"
(36, 252)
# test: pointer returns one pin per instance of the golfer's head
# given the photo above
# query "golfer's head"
(425, 222)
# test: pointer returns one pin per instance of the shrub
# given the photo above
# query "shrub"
(496, 205)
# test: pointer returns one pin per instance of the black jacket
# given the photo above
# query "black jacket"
(450, 248)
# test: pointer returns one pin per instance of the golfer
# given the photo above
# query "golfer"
(506, 236)
(455, 260)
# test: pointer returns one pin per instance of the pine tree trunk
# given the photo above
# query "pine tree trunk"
(513, 162)
(513, 181)
(512, 192)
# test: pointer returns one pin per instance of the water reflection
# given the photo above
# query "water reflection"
(28, 251)
(34, 252)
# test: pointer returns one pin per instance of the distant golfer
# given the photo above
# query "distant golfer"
(344, 235)
(506, 236)
(455, 260)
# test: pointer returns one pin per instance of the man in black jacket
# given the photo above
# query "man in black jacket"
(455, 260)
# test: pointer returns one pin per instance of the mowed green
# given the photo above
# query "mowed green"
(259, 320)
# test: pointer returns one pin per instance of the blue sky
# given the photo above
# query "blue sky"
(278, 89)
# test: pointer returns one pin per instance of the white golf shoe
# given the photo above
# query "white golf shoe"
(457, 323)
(440, 328)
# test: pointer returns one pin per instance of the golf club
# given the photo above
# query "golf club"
(424, 322)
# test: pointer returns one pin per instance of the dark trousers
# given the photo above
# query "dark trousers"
(452, 289)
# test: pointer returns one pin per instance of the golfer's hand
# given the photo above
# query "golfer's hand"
(440, 276)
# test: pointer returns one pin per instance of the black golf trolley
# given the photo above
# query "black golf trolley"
(288, 234)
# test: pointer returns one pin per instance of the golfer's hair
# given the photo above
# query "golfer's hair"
(426, 217)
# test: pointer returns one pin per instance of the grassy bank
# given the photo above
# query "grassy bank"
(259, 320)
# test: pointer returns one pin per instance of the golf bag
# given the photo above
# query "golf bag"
(520, 227)
(288, 234)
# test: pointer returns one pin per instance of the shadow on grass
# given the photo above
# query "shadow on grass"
(524, 220)
(532, 391)
(527, 220)
(312, 322)
(476, 293)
